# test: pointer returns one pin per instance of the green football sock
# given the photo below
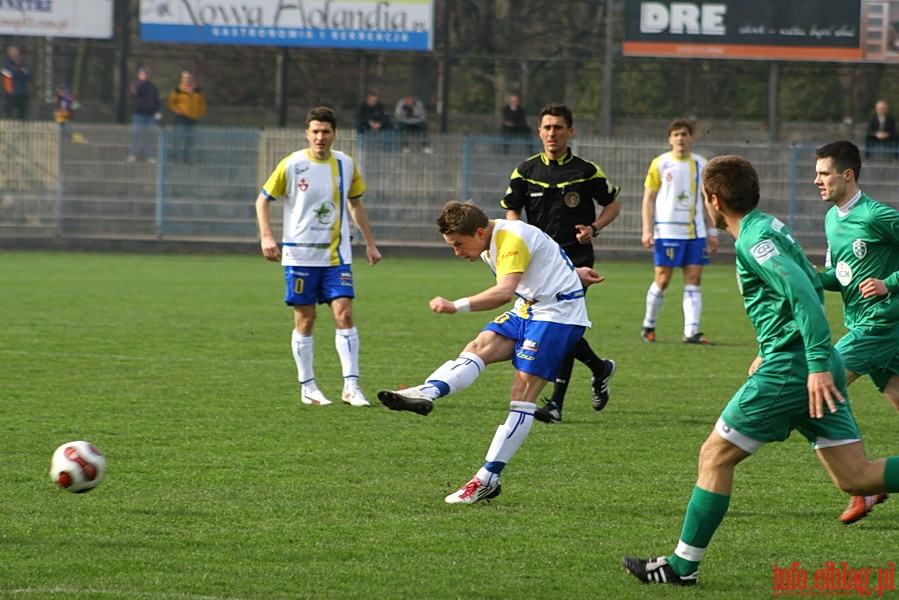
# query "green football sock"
(705, 512)
(891, 474)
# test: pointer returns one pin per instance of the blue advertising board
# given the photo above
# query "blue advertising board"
(360, 24)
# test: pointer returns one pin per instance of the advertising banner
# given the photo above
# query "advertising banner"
(57, 18)
(809, 30)
(360, 24)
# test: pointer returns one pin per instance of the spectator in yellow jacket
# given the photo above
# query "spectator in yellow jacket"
(188, 103)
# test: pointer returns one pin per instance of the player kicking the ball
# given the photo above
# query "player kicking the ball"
(547, 320)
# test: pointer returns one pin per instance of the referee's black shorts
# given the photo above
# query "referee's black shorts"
(581, 255)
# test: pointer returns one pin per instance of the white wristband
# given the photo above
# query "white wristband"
(713, 232)
(462, 305)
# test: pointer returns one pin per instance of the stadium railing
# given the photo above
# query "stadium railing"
(74, 181)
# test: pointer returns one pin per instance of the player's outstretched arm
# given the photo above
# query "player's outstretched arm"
(493, 297)
(589, 276)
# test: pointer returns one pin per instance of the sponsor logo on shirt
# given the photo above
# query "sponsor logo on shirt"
(764, 250)
(844, 273)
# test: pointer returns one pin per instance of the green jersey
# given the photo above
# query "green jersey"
(863, 243)
(781, 291)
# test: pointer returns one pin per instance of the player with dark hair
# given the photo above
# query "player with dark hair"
(321, 188)
(863, 265)
(674, 226)
(797, 381)
(558, 193)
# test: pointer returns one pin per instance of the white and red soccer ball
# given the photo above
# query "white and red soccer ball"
(77, 467)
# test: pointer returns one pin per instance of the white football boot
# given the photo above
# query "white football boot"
(354, 397)
(314, 397)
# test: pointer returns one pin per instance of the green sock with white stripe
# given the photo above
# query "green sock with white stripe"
(705, 512)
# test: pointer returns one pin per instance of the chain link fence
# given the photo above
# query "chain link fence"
(75, 181)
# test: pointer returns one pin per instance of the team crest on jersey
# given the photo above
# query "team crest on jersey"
(572, 199)
(764, 250)
(844, 273)
(325, 213)
(303, 184)
(859, 248)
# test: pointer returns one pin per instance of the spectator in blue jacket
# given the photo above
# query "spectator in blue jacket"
(145, 113)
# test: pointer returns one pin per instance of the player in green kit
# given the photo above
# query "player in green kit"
(863, 265)
(797, 381)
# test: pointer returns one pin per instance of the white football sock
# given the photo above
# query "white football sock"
(347, 343)
(692, 309)
(654, 297)
(302, 348)
(507, 440)
(453, 376)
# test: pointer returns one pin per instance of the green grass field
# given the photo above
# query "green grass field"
(221, 485)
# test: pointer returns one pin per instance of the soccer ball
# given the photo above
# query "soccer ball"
(77, 467)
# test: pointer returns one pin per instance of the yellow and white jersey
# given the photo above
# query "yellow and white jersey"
(679, 213)
(550, 289)
(316, 217)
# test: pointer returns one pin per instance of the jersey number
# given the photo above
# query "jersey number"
(500, 319)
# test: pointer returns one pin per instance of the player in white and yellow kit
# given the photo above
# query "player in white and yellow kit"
(322, 189)
(548, 318)
(674, 225)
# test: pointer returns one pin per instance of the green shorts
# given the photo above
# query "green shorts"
(774, 401)
(871, 352)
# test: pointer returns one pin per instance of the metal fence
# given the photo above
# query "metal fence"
(75, 181)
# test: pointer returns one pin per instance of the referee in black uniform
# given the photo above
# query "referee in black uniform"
(557, 190)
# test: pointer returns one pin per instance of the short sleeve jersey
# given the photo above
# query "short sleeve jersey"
(679, 207)
(863, 243)
(316, 218)
(550, 289)
(556, 195)
(781, 291)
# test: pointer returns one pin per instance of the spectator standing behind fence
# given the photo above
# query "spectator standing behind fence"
(144, 116)
(16, 77)
(65, 102)
(188, 103)
(881, 131)
(372, 116)
(514, 119)
(411, 118)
